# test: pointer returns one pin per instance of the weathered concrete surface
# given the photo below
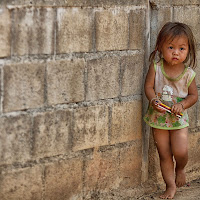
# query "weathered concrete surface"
(78, 3)
(112, 30)
(33, 31)
(75, 29)
(24, 184)
(190, 191)
(5, 32)
(23, 86)
(15, 139)
(126, 122)
(65, 80)
(90, 127)
(51, 133)
(137, 29)
(100, 84)
(131, 74)
(71, 86)
(68, 186)
(111, 168)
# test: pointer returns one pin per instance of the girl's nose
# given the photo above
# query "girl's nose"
(175, 52)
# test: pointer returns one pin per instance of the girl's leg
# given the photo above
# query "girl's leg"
(179, 146)
(162, 141)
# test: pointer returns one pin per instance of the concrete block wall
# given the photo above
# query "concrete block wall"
(71, 98)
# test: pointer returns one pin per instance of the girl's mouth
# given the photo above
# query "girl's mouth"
(174, 58)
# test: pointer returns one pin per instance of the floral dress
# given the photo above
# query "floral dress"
(170, 91)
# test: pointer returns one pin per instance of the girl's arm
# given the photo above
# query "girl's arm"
(189, 101)
(149, 83)
(149, 88)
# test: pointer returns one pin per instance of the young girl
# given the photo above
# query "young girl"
(171, 82)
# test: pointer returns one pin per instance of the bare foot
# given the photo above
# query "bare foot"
(180, 178)
(169, 193)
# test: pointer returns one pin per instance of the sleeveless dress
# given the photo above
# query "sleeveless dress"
(170, 91)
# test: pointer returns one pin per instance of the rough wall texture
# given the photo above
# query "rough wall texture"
(71, 98)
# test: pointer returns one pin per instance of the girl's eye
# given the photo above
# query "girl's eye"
(181, 49)
(170, 47)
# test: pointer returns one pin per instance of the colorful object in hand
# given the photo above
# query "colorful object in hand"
(168, 109)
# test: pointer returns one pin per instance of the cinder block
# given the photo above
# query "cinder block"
(78, 3)
(197, 69)
(23, 86)
(194, 148)
(198, 112)
(137, 29)
(175, 3)
(33, 31)
(90, 127)
(112, 30)
(0, 91)
(15, 139)
(193, 165)
(192, 112)
(102, 172)
(184, 2)
(132, 74)
(63, 180)
(130, 166)
(126, 122)
(51, 133)
(65, 81)
(103, 78)
(23, 184)
(180, 14)
(5, 32)
(75, 29)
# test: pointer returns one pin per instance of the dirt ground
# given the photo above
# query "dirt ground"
(189, 192)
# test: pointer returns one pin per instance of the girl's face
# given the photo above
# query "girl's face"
(175, 51)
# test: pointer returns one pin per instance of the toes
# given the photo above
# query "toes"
(162, 197)
(180, 178)
(165, 197)
(180, 184)
(169, 193)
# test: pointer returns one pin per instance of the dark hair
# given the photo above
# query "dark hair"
(171, 30)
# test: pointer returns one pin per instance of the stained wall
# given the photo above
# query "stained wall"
(72, 101)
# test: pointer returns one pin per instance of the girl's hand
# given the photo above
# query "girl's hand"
(177, 108)
(155, 103)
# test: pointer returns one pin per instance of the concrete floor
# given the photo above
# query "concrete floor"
(189, 192)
